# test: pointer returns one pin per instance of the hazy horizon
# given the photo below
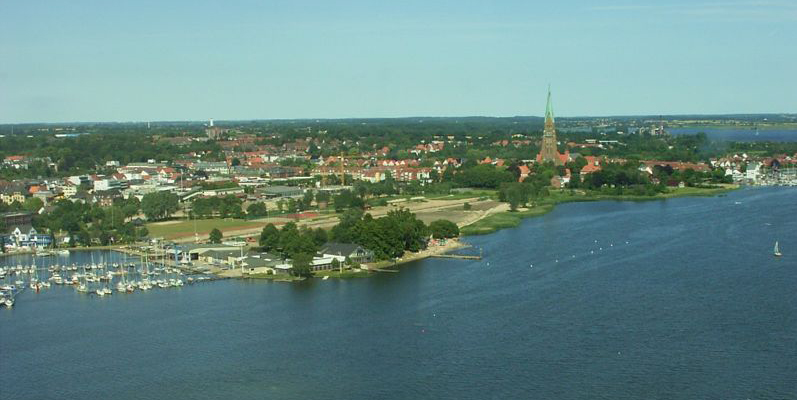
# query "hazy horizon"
(541, 117)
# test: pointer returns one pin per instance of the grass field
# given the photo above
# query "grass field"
(178, 229)
(508, 219)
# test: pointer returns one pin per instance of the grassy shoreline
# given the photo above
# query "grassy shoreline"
(511, 219)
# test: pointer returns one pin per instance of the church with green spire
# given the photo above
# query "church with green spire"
(548, 150)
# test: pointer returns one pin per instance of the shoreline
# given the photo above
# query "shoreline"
(511, 219)
(491, 221)
(451, 245)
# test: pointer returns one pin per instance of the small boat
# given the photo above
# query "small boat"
(325, 277)
(777, 250)
(9, 303)
(63, 252)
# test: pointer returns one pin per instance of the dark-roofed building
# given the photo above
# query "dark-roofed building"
(281, 191)
(352, 251)
(263, 263)
(9, 219)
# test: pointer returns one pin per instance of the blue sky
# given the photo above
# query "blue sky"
(146, 60)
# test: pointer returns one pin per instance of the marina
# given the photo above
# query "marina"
(90, 272)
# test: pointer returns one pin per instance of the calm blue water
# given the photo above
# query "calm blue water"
(694, 306)
(742, 135)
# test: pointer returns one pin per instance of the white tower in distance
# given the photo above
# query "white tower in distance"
(210, 122)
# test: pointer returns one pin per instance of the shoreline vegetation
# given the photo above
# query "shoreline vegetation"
(511, 219)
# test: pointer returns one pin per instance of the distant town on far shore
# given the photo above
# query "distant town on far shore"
(272, 197)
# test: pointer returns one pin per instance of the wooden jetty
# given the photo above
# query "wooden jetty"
(458, 256)
(382, 270)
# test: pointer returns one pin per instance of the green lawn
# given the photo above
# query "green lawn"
(508, 219)
(173, 230)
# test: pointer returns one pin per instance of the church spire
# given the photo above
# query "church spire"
(549, 107)
(548, 149)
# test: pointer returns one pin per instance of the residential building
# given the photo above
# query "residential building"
(13, 192)
(352, 251)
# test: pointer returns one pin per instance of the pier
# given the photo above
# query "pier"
(458, 256)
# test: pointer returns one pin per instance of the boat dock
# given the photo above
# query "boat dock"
(458, 256)
(158, 259)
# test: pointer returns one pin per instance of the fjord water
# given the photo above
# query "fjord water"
(741, 135)
(673, 299)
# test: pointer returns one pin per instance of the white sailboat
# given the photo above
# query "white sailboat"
(83, 287)
(777, 250)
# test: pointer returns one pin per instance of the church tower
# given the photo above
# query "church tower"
(548, 151)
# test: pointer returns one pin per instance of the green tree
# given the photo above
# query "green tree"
(322, 197)
(84, 238)
(295, 242)
(320, 236)
(159, 205)
(307, 199)
(215, 236)
(291, 207)
(301, 264)
(443, 228)
(269, 238)
(257, 210)
(514, 196)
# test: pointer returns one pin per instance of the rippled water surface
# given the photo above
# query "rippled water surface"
(675, 299)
